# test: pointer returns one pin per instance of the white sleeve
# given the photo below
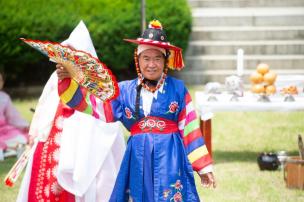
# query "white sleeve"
(207, 169)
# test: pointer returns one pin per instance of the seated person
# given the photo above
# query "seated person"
(13, 128)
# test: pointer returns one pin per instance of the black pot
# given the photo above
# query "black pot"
(268, 161)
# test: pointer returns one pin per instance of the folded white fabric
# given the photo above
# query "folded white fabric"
(85, 145)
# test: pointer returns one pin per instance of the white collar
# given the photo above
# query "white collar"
(147, 98)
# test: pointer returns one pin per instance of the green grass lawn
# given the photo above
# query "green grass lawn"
(238, 138)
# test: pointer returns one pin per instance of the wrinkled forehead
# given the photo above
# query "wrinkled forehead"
(143, 47)
(151, 53)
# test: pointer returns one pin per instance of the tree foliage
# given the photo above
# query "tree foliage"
(108, 22)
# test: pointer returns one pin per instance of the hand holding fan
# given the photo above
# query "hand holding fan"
(85, 69)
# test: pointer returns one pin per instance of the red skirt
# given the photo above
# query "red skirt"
(43, 184)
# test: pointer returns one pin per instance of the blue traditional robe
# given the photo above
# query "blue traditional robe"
(160, 158)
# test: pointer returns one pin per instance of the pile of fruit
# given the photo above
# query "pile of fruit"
(263, 80)
(291, 90)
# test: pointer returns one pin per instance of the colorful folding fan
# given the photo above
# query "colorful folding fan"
(85, 69)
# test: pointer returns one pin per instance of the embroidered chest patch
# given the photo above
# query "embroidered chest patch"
(173, 107)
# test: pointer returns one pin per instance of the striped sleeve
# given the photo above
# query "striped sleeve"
(192, 137)
(81, 100)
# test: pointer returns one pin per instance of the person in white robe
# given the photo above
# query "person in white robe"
(90, 150)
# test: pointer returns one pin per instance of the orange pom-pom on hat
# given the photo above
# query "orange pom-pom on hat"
(155, 24)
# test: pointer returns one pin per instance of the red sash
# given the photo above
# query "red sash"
(151, 124)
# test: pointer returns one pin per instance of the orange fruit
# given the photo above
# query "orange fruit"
(256, 78)
(258, 88)
(270, 77)
(262, 68)
(271, 89)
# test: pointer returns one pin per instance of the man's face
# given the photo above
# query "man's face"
(1, 82)
(151, 64)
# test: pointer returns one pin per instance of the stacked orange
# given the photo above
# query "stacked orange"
(263, 80)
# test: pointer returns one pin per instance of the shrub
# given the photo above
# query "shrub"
(108, 22)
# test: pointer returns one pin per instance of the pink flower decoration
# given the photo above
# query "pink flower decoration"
(151, 123)
(178, 197)
(173, 107)
(178, 185)
(128, 113)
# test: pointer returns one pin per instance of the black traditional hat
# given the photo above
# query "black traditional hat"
(154, 35)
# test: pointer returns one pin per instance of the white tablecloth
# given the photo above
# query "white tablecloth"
(249, 102)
